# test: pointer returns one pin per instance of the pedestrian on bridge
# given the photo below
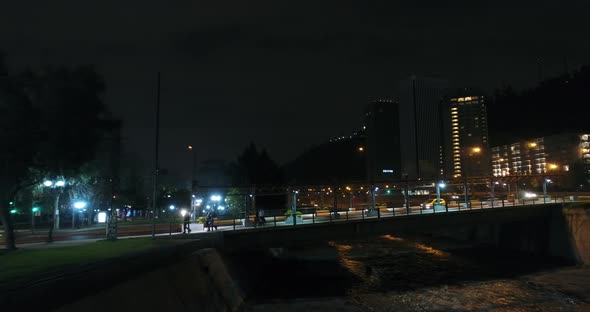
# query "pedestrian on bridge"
(187, 223)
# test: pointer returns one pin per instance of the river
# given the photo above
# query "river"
(388, 273)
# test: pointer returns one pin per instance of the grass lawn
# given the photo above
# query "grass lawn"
(26, 263)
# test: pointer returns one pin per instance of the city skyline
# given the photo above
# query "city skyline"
(283, 75)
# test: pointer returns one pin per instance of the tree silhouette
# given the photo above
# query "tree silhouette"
(50, 124)
(255, 168)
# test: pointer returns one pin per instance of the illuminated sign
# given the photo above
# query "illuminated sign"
(102, 217)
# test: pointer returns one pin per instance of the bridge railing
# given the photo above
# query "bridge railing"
(314, 215)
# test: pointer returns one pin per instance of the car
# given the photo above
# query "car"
(431, 202)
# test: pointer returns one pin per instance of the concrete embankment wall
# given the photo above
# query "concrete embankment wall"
(564, 233)
(199, 282)
(578, 221)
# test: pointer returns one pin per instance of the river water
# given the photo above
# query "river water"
(388, 273)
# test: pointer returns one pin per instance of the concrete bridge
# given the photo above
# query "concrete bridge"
(545, 229)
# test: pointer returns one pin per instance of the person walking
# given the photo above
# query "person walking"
(208, 220)
(187, 223)
(261, 217)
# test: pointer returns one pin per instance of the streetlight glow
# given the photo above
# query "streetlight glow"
(79, 204)
(48, 183)
(60, 183)
(171, 207)
(215, 197)
(476, 149)
(442, 185)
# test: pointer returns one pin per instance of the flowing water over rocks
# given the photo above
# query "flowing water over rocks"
(388, 273)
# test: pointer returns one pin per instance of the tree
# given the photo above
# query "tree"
(236, 202)
(50, 122)
(255, 168)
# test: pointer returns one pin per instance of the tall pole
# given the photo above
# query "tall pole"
(157, 159)
(193, 182)
(415, 126)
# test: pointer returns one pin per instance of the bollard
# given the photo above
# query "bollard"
(502, 202)
(313, 218)
(234, 221)
(346, 215)
(275, 220)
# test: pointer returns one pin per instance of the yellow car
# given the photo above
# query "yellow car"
(431, 202)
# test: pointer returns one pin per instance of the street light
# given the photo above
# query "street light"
(77, 205)
(438, 187)
(80, 205)
(545, 181)
(474, 151)
(215, 199)
(56, 184)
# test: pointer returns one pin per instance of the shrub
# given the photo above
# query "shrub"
(290, 212)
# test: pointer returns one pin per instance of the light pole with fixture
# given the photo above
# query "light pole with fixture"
(193, 181)
(77, 205)
(59, 184)
(439, 185)
(545, 182)
(474, 151)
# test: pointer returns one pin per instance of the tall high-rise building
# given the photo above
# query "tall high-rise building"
(421, 126)
(382, 140)
(466, 148)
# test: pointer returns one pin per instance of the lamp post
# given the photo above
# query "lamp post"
(59, 184)
(474, 151)
(439, 185)
(77, 205)
(193, 181)
(34, 211)
(545, 182)
(215, 199)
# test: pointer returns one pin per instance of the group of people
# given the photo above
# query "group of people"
(209, 222)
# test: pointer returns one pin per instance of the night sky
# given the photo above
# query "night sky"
(284, 74)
